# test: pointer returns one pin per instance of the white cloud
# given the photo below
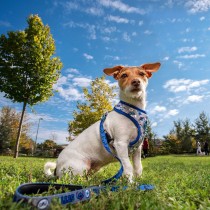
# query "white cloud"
(112, 84)
(115, 58)
(173, 112)
(187, 49)
(35, 118)
(126, 37)
(87, 56)
(187, 40)
(118, 5)
(141, 22)
(134, 33)
(108, 30)
(166, 58)
(70, 94)
(94, 11)
(106, 39)
(179, 85)
(72, 70)
(187, 30)
(47, 134)
(71, 6)
(5, 23)
(147, 32)
(192, 56)
(154, 124)
(194, 98)
(66, 90)
(178, 63)
(81, 81)
(91, 29)
(195, 6)
(117, 19)
(169, 3)
(202, 18)
(157, 109)
(61, 81)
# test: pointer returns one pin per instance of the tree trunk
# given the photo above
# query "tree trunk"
(19, 131)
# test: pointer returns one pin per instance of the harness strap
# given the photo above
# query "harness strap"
(106, 146)
(135, 123)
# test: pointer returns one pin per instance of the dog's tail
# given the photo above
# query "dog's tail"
(48, 167)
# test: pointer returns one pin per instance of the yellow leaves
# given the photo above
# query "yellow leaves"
(97, 102)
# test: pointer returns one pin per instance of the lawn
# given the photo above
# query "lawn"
(181, 182)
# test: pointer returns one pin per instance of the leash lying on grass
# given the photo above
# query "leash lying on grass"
(77, 193)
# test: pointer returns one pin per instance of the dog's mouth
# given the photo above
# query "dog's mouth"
(135, 89)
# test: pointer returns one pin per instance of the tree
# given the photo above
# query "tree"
(98, 100)
(7, 117)
(9, 122)
(49, 144)
(172, 143)
(151, 136)
(28, 68)
(202, 127)
(180, 138)
(187, 137)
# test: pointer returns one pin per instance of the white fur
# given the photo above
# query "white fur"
(48, 167)
(87, 153)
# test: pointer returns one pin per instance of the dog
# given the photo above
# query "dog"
(87, 153)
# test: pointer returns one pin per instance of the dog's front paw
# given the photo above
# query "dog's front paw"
(129, 178)
(138, 173)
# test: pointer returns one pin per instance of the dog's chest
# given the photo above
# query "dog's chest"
(128, 123)
(137, 116)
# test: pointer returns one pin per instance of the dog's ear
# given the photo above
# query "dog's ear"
(114, 71)
(150, 68)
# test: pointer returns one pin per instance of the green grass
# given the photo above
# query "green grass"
(181, 182)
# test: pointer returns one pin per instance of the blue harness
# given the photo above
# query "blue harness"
(139, 118)
(78, 193)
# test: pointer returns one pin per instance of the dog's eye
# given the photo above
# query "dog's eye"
(124, 76)
(142, 74)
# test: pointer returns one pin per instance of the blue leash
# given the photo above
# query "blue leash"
(77, 193)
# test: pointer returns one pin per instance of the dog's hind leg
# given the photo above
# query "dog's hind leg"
(76, 167)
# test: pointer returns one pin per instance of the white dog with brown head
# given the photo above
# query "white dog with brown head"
(86, 152)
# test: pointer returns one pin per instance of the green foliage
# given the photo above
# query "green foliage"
(202, 127)
(27, 66)
(181, 139)
(97, 102)
(181, 182)
(49, 144)
(151, 137)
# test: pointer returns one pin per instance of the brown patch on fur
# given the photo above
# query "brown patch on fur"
(147, 69)
(127, 75)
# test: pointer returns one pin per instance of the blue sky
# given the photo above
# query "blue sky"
(91, 35)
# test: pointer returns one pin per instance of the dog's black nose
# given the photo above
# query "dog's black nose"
(135, 82)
